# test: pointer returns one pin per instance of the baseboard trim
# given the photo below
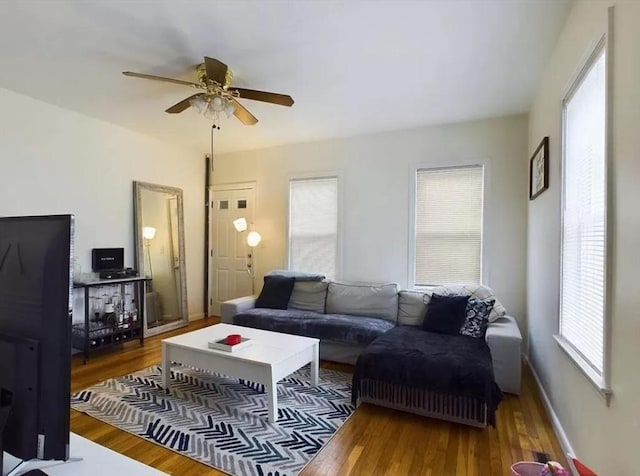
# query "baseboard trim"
(196, 317)
(555, 421)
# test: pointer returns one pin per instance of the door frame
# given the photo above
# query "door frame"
(221, 187)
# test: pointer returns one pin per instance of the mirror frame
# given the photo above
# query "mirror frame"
(139, 250)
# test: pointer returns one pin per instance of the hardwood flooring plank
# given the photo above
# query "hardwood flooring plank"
(473, 456)
(494, 451)
(375, 441)
(430, 452)
(403, 453)
(354, 456)
(462, 454)
(388, 445)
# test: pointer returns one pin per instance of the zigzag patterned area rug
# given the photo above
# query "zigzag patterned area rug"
(222, 421)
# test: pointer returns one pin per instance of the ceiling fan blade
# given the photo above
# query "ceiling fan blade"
(160, 78)
(182, 105)
(216, 70)
(273, 98)
(245, 116)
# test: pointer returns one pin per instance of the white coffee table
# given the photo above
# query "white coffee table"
(271, 357)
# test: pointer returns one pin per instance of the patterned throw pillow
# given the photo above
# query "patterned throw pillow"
(477, 321)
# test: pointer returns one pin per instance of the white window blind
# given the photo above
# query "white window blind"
(584, 216)
(448, 229)
(313, 225)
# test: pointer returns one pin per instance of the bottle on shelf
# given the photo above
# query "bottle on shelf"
(133, 314)
(128, 306)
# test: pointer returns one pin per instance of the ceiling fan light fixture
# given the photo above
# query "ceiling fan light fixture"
(217, 103)
(198, 104)
(210, 113)
(229, 108)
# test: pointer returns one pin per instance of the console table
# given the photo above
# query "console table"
(92, 335)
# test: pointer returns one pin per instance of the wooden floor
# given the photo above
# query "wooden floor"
(374, 441)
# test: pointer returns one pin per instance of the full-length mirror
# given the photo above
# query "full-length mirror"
(159, 236)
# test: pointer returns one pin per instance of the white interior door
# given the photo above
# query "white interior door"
(229, 276)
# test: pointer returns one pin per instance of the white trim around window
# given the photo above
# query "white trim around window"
(329, 174)
(598, 371)
(443, 165)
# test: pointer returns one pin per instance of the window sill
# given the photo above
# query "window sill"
(604, 391)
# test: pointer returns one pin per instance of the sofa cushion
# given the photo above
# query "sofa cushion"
(335, 327)
(411, 308)
(309, 295)
(275, 293)
(445, 314)
(372, 300)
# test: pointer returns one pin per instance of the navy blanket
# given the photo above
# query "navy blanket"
(357, 330)
(457, 365)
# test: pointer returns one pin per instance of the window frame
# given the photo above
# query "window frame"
(601, 382)
(319, 175)
(413, 186)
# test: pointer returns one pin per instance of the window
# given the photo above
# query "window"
(582, 300)
(448, 225)
(313, 225)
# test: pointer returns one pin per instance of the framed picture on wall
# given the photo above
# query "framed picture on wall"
(539, 170)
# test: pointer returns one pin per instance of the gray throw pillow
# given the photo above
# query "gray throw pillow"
(370, 300)
(309, 296)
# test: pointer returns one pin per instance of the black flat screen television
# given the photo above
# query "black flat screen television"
(35, 335)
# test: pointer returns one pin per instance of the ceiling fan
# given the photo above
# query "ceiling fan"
(216, 93)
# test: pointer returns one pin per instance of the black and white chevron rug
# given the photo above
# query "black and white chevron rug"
(222, 421)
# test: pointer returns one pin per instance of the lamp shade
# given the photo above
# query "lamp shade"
(148, 232)
(240, 224)
(253, 239)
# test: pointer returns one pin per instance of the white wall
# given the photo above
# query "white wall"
(56, 161)
(375, 170)
(605, 438)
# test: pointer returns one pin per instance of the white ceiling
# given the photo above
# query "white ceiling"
(353, 67)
